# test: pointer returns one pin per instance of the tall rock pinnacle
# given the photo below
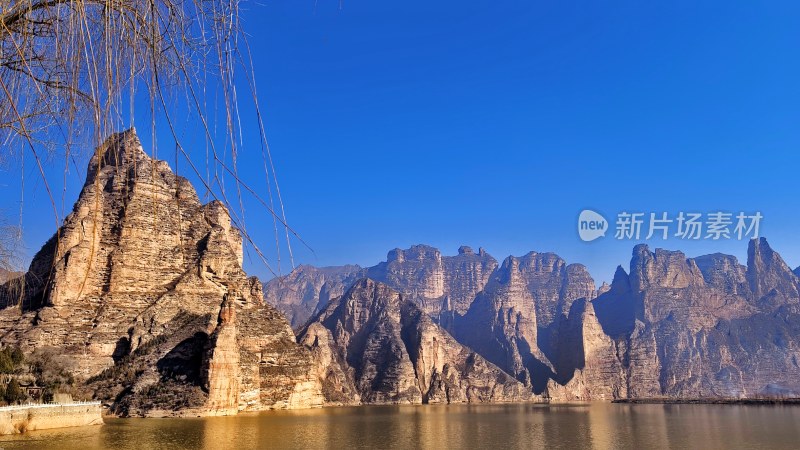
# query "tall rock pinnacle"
(135, 279)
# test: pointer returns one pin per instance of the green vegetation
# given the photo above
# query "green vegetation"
(11, 359)
(125, 369)
(13, 393)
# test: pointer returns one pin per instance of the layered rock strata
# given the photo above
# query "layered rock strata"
(130, 291)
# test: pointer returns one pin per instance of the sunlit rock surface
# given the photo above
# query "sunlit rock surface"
(130, 288)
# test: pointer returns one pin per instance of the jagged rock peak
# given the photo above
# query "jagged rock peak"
(615, 306)
(367, 296)
(587, 365)
(621, 281)
(761, 256)
(545, 265)
(672, 325)
(768, 273)
(723, 271)
(466, 250)
(307, 289)
(438, 284)
(118, 150)
(716, 262)
(541, 262)
(521, 306)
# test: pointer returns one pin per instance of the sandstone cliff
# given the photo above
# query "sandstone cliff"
(514, 322)
(671, 326)
(378, 347)
(443, 286)
(588, 359)
(131, 291)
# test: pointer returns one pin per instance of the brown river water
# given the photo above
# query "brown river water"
(498, 427)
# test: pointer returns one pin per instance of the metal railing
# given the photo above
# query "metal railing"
(47, 405)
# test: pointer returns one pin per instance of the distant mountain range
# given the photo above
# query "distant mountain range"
(670, 326)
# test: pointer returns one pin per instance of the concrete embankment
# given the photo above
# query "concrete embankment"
(22, 418)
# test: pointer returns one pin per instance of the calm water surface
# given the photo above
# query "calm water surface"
(597, 426)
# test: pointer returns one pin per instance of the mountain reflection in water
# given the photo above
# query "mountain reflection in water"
(596, 426)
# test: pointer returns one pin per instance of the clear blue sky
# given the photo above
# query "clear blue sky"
(495, 123)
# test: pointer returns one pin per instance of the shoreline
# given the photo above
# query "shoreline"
(195, 414)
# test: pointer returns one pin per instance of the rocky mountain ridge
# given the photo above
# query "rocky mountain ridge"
(381, 348)
(670, 326)
(6, 275)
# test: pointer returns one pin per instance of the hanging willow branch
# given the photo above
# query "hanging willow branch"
(76, 70)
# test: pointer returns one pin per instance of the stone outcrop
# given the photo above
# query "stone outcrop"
(307, 289)
(385, 349)
(221, 371)
(130, 290)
